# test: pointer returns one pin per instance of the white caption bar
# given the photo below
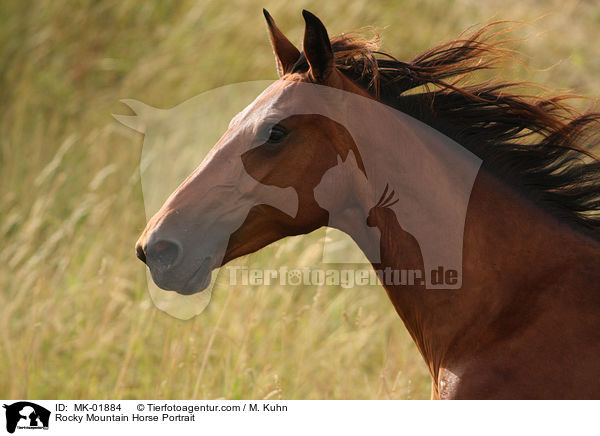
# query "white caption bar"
(25, 417)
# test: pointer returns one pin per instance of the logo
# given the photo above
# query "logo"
(417, 187)
(26, 415)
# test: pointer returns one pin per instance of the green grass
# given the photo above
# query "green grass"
(76, 320)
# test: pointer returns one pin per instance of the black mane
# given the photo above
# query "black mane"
(539, 144)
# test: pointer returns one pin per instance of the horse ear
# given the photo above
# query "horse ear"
(286, 54)
(317, 48)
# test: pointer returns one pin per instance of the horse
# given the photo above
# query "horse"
(512, 178)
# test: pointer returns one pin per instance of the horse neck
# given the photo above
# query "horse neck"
(521, 266)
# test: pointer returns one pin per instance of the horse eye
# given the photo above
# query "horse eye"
(276, 134)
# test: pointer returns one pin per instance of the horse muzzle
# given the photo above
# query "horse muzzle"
(165, 260)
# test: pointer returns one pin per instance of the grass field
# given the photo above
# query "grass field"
(76, 320)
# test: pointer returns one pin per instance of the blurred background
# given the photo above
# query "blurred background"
(76, 320)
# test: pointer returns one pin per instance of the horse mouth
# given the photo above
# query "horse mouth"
(199, 280)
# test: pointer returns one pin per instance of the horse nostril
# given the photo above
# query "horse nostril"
(139, 251)
(164, 253)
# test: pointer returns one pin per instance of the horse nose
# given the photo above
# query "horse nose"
(164, 254)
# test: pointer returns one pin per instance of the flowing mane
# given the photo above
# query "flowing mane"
(540, 144)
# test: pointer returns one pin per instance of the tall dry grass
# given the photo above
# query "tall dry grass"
(75, 317)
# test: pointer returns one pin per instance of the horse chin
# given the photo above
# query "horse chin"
(199, 281)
